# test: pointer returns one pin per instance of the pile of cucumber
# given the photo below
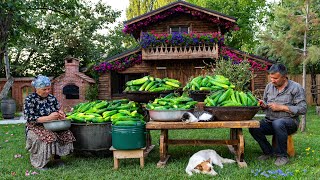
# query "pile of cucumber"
(119, 112)
(151, 84)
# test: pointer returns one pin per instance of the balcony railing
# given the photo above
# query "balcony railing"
(180, 52)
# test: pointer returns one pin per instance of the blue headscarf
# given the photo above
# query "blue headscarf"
(41, 81)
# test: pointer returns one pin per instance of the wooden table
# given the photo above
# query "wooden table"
(235, 143)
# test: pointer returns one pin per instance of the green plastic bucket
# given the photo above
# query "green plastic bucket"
(129, 137)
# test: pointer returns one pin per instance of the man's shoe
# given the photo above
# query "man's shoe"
(265, 157)
(280, 161)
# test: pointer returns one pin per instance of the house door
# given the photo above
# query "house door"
(26, 90)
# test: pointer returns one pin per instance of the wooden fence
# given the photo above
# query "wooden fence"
(298, 79)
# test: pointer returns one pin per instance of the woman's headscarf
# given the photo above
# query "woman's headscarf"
(41, 81)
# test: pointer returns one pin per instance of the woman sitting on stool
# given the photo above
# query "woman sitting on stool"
(43, 144)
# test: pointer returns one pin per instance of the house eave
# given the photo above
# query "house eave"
(182, 3)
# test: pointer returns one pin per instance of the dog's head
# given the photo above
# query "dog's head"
(205, 167)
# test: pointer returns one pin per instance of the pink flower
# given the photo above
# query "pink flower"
(17, 156)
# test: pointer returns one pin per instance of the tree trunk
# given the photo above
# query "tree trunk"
(314, 88)
(5, 25)
(303, 119)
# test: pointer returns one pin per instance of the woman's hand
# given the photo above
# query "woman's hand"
(54, 116)
(62, 115)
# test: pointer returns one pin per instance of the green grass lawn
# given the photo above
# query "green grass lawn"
(305, 165)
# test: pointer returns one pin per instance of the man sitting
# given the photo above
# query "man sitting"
(283, 101)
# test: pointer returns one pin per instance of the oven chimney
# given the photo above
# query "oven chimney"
(71, 66)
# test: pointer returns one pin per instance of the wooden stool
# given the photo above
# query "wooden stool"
(290, 145)
(125, 154)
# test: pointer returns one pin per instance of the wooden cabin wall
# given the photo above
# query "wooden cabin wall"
(259, 82)
(181, 70)
(197, 26)
(105, 86)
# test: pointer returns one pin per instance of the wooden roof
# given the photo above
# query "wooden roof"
(123, 54)
(250, 56)
(159, 11)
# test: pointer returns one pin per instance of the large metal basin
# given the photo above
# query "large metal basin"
(234, 113)
(92, 136)
(167, 115)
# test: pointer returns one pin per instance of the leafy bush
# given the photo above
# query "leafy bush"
(92, 92)
(239, 73)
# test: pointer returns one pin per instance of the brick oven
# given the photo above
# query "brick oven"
(70, 87)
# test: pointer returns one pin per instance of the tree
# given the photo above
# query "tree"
(251, 15)
(40, 34)
(139, 7)
(293, 36)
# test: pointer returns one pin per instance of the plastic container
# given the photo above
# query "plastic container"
(129, 137)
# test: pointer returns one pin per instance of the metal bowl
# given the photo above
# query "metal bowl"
(57, 125)
(167, 115)
(232, 113)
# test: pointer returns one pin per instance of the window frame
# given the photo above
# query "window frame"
(179, 26)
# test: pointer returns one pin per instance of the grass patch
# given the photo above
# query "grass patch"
(305, 165)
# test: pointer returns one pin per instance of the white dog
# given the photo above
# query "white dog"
(202, 161)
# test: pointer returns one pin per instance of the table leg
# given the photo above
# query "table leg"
(163, 148)
(148, 138)
(238, 149)
(233, 136)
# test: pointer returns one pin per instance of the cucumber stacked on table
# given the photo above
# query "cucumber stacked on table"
(172, 101)
(231, 97)
(208, 83)
(119, 112)
(151, 84)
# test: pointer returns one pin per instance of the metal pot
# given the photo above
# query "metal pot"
(57, 125)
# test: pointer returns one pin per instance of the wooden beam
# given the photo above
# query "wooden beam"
(201, 142)
(203, 125)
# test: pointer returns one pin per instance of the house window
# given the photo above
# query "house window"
(179, 29)
(118, 83)
(71, 91)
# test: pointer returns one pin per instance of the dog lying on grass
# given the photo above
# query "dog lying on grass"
(203, 161)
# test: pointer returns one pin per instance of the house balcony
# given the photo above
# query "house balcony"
(180, 52)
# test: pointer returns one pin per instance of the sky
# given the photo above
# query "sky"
(121, 5)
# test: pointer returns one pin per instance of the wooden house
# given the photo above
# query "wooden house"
(176, 41)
